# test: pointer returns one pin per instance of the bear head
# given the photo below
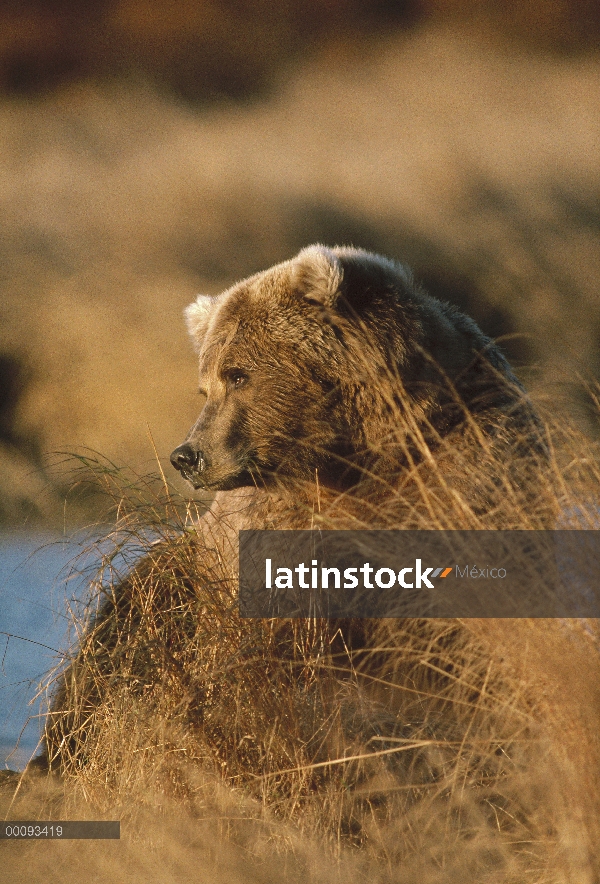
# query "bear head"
(325, 361)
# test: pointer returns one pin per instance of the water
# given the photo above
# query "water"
(36, 580)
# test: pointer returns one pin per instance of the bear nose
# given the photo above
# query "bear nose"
(185, 457)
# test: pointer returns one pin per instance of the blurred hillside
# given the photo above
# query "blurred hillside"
(466, 144)
(205, 49)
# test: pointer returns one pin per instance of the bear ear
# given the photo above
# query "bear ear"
(318, 274)
(197, 317)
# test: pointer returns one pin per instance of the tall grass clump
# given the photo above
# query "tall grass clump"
(415, 750)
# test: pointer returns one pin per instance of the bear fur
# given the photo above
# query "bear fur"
(336, 365)
(332, 371)
(335, 372)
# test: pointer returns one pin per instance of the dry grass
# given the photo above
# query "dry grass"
(393, 750)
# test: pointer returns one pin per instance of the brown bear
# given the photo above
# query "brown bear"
(336, 365)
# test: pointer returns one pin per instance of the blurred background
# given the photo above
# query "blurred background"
(153, 149)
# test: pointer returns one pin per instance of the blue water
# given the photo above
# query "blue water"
(36, 583)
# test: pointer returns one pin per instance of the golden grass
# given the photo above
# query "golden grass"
(392, 750)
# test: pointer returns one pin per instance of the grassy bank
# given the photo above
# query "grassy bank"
(392, 750)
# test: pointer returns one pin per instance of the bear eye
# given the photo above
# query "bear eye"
(236, 378)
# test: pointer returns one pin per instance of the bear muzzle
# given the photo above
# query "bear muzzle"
(190, 462)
